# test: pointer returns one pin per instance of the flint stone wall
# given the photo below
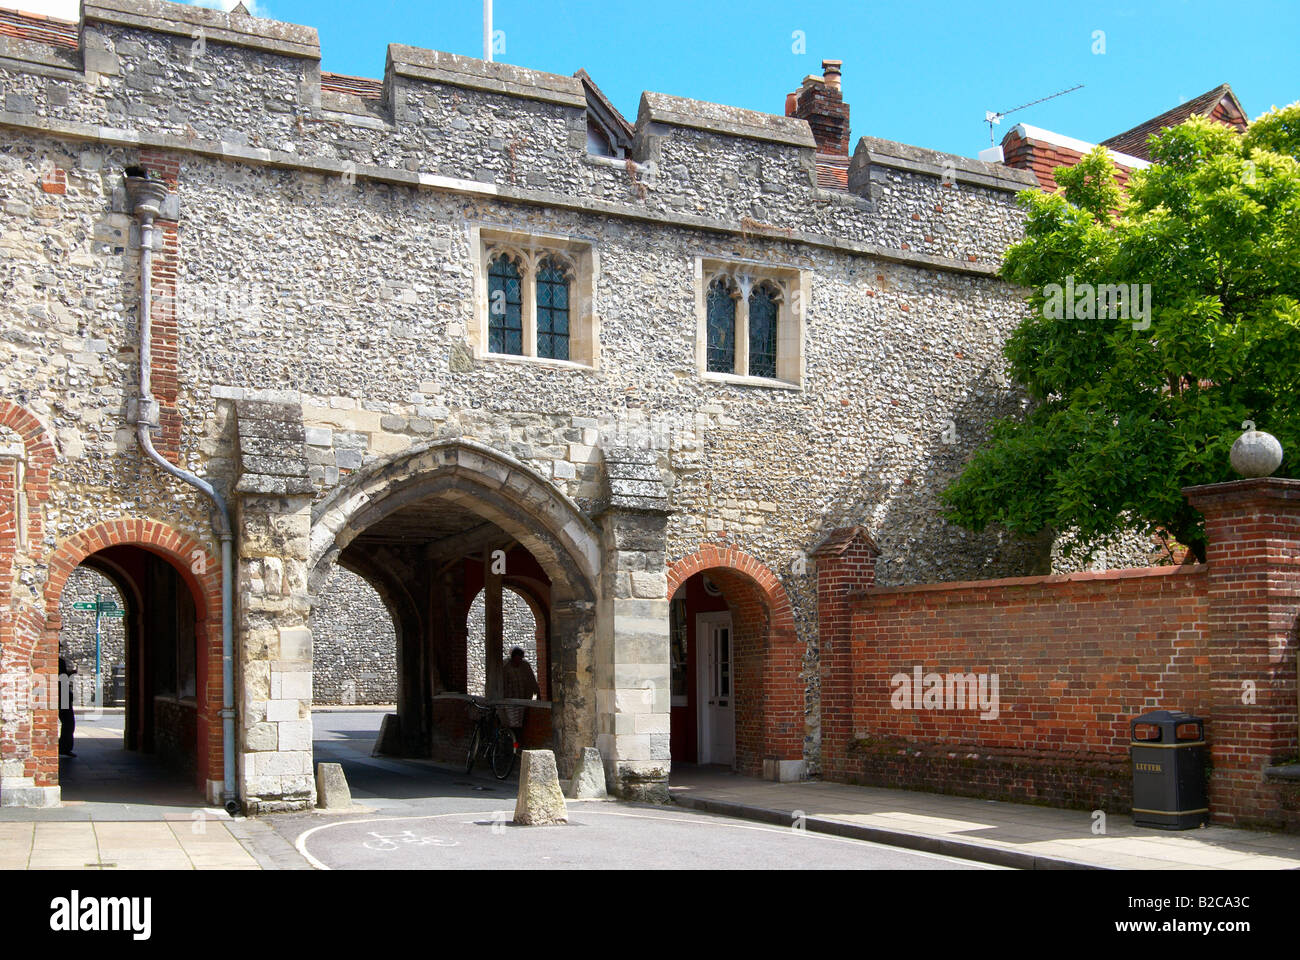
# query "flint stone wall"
(520, 630)
(77, 637)
(325, 252)
(354, 645)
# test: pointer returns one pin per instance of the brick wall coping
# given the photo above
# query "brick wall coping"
(1027, 132)
(1051, 580)
(284, 160)
(1265, 488)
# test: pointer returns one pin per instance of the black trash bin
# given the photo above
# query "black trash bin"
(117, 688)
(1168, 750)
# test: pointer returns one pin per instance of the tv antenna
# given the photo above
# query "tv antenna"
(993, 118)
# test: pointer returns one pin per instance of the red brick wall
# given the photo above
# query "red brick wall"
(1253, 555)
(767, 656)
(199, 569)
(1042, 159)
(33, 737)
(1076, 658)
(163, 330)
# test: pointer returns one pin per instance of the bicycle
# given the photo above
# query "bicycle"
(493, 741)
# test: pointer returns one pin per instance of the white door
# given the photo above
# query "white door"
(717, 703)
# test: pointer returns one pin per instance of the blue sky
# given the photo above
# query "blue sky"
(922, 73)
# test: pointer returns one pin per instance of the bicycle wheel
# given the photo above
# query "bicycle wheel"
(473, 750)
(503, 753)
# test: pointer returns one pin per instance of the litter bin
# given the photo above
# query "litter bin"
(117, 688)
(1168, 751)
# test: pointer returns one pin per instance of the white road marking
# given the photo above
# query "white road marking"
(301, 842)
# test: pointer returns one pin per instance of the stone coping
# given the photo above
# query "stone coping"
(436, 66)
(27, 54)
(1266, 488)
(269, 36)
(874, 152)
(1050, 580)
(719, 118)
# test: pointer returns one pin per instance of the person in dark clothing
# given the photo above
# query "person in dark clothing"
(518, 682)
(67, 719)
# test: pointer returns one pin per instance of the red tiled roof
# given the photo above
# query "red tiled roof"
(832, 172)
(1218, 104)
(362, 87)
(33, 26)
(841, 538)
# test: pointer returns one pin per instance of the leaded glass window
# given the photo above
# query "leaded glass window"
(505, 307)
(552, 311)
(763, 310)
(721, 328)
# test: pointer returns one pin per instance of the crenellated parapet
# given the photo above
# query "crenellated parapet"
(185, 78)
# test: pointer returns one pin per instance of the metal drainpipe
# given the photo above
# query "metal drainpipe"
(146, 198)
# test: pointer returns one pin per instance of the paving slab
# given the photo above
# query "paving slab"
(1010, 834)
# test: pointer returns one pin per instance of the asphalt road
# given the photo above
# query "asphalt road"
(421, 816)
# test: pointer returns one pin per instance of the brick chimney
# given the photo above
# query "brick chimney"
(820, 101)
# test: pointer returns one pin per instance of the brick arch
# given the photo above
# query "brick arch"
(40, 452)
(769, 690)
(38, 635)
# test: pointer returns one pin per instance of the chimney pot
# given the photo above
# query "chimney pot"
(833, 69)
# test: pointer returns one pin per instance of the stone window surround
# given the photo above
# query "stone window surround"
(530, 249)
(792, 284)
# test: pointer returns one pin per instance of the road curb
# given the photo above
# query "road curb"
(963, 849)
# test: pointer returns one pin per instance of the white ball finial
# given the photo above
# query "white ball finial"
(1256, 453)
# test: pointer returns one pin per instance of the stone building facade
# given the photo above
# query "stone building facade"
(332, 346)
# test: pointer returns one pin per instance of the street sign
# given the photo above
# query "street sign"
(84, 605)
(104, 606)
(114, 613)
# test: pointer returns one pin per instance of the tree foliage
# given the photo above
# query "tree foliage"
(1125, 411)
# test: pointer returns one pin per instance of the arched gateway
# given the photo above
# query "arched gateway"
(430, 528)
(435, 525)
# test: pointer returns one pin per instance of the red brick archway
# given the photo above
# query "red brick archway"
(768, 656)
(198, 568)
(23, 479)
(39, 455)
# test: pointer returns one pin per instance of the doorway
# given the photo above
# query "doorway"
(715, 679)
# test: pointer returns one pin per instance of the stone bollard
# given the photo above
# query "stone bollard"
(332, 792)
(589, 778)
(540, 798)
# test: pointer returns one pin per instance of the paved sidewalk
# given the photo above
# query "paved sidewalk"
(1010, 834)
(114, 845)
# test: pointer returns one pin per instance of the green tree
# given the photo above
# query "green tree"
(1125, 411)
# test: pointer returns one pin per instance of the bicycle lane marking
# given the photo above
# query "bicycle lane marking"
(301, 842)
